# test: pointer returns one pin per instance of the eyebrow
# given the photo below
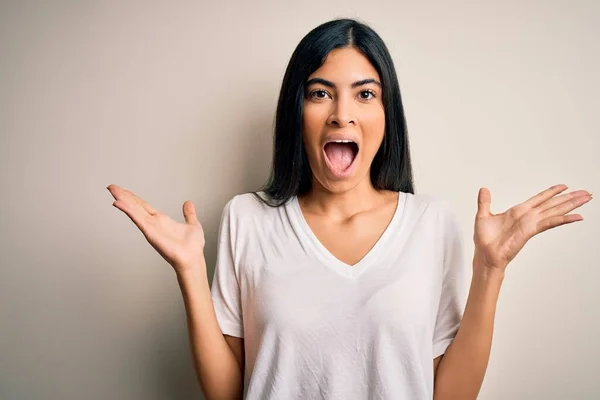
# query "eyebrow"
(332, 85)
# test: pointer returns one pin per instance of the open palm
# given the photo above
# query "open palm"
(180, 244)
(499, 237)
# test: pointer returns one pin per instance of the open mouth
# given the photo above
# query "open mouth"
(341, 154)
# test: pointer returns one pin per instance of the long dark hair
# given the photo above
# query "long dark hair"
(290, 172)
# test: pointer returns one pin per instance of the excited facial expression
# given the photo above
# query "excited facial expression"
(343, 120)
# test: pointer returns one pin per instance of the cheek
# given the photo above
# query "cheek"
(312, 125)
(373, 124)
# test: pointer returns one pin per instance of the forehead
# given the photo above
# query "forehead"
(345, 65)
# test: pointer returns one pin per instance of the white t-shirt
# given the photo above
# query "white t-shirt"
(317, 328)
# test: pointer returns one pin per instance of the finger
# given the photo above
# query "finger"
(553, 202)
(553, 222)
(141, 202)
(123, 194)
(545, 195)
(566, 206)
(189, 213)
(484, 200)
(135, 212)
(126, 203)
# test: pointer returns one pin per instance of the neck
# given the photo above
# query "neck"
(343, 205)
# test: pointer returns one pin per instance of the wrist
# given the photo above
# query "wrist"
(191, 270)
(484, 273)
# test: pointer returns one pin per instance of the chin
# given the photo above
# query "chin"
(338, 186)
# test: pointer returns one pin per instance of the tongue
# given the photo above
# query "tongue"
(340, 154)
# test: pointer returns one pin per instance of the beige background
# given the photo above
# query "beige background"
(176, 101)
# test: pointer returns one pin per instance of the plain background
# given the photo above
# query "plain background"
(176, 101)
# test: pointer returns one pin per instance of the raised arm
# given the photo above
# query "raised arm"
(217, 360)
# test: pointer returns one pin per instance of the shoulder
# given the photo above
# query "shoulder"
(251, 202)
(429, 203)
(249, 206)
(250, 218)
(436, 211)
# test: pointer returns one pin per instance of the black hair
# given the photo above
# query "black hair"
(291, 175)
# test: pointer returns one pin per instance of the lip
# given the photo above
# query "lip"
(340, 136)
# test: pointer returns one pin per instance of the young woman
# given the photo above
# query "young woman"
(336, 281)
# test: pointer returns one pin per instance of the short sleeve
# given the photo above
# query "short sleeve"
(225, 289)
(455, 283)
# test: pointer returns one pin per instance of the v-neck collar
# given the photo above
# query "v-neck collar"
(349, 271)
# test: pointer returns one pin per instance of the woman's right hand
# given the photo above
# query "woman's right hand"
(180, 244)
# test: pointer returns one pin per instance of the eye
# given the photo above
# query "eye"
(318, 94)
(366, 94)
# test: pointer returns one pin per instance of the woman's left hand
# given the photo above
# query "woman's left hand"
(499, 237)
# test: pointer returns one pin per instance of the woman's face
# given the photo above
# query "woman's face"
(343, 120)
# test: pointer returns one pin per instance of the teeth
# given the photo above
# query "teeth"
(343, 141)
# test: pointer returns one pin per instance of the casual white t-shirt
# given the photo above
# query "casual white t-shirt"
(317, 328)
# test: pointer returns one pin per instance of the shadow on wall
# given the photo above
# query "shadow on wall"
(175, 371)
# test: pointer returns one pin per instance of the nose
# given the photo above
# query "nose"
(341, 113)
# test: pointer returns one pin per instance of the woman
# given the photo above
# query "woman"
(336, 281)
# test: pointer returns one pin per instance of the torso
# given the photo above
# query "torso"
(364, 325)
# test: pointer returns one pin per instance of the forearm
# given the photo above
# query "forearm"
(219, 373)
(462, 368)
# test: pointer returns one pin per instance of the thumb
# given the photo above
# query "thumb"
(484, 201)
(189, 212)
